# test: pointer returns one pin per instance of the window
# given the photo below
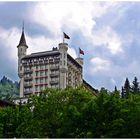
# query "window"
(41, 67)
(45, 73)
(46, 80)
(36, 81)
(45, 66)
(41, 80)
(41, 87)
(36, 88)
(36, 74)
(41, 73)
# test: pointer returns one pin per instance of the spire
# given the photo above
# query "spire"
(22, 41)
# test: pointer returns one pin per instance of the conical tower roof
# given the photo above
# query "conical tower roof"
(22, 41)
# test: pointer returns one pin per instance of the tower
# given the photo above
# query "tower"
(22, 50)
(81, 62)
(63, 47)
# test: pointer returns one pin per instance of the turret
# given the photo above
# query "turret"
(63, 47)
(22, 50)
(22, 47)
(80, 60)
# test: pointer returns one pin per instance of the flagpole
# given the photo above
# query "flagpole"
(23, 25)
(63, 38)
(79, 53)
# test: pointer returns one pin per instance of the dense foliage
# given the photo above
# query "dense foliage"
(73, 113)
(8, 88)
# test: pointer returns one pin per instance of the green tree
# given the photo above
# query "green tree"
(122, 93)
(73, 113)
(135, 86)
(8, 88)
(127, 88)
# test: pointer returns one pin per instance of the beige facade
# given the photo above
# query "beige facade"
(49, 69)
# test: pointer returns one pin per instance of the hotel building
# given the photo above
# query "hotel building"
(48, 69)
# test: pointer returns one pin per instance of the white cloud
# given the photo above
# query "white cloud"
(108, 38)
(10, 39)
(106, 67)
(99, 65)
(42, 43)
(54, 15)
(72, 52)
(113, 81)
(72, 16)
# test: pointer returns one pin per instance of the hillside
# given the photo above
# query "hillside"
(8, 88)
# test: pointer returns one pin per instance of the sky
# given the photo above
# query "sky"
(107, 32)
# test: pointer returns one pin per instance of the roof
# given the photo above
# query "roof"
(90, 87)
(41, 54)
(22, 41)
(50, 53)
(5, 103)
(74, 61)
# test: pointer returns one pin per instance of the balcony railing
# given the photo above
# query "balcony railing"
(53, 82)
(41, 84)
(28, 78)
(54, 67)
(28, 71)
(54, 75)
(28, 85)
(28, 92)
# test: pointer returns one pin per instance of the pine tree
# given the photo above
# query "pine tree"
(135, 86)
(127, 87)
(115, 89)
(122, 93)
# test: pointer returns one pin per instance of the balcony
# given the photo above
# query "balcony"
(54, 67)
(41, 84)
(28, 92)
(24, 63)
(50, 60)
(26, 85)
(28, 71)
(54, 75)
(28, 78)
(46, 62)
(41, 62)
(53, 82)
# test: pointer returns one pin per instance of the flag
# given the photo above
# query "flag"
(81, 51)
(66, 36)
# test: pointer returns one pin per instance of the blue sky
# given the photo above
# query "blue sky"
(108, 32)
